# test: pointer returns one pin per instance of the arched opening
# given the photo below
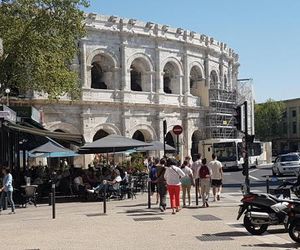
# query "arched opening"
(101, 72)
(100, 134)
(213, 79)
(139, 78)
(135, 79)
(97, 77)
(170, 140)
(171, 80)
(225, 82)
(138, 135)
(196, 137)
(195, 81)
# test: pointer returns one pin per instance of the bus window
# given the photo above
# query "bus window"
(225, 151)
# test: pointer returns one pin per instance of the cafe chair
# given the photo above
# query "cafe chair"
(29, 196)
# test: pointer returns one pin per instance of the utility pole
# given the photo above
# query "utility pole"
(246, 158)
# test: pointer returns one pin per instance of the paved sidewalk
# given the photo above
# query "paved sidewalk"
(129, 224)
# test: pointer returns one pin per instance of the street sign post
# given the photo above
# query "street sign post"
(177, 130)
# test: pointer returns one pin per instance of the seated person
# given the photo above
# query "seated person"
(78, 183)
(112, 185)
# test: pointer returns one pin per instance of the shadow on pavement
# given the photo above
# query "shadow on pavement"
(135, 205)
(275, 246)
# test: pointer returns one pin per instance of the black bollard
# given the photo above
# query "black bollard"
(53, 200)
(197, 188)
(104, 198)
(149, 193)
(268, 184)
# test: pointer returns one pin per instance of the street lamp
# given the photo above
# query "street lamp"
(7, 91)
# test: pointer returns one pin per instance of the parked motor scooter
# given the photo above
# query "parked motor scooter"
(292, 221)
(262, 210)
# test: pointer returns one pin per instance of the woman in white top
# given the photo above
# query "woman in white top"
(172, 176)
(186, 182)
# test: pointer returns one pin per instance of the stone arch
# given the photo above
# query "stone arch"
(106, 127)
(196, 81)
(100, 134)
(64, 127)
(148, 132)
(172, 72)
(101, 71)
(197, 136)
(140, 72)
(142, 57)
(214, 79)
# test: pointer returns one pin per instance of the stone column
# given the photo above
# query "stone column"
(186, 79)
(124, 74)
(159, 85)
(84, 68)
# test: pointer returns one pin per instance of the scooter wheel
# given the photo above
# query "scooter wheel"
(254, 229)
(294, 232)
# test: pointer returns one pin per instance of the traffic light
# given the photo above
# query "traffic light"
(250, 138)
(238, 117)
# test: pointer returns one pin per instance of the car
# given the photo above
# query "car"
(286, 164)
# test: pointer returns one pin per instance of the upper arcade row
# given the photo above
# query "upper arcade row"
(133, 26)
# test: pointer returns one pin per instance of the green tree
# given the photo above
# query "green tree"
(40, 41)
(268, 120)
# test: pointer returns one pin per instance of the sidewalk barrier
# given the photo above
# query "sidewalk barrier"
(268, 184)
(104, 198)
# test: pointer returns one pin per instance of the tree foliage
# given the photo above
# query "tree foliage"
(40, 40)
(268, 120)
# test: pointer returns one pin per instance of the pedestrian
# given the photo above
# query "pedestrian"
(153, 178)
(172, 176)
(186, 182)
(205, 179)
(216, 177)
(7, 190)
(195, 168)
(161, 185)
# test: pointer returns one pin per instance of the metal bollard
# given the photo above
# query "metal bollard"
(149, 193)
(53, 200)
(268, 184)
(197, 188)
(104, 198)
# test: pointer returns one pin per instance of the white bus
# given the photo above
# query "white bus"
(229, 152)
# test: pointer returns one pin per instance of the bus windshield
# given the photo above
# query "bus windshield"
(225, 151)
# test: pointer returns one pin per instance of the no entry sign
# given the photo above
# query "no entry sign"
(177, 129)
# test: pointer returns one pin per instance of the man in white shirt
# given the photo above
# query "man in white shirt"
(216, 176)
(195, 168)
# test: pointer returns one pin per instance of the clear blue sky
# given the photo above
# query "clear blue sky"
(265, 34)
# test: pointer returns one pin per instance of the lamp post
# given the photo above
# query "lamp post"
(7, 91)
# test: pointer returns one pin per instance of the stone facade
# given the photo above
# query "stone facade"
(135, 75)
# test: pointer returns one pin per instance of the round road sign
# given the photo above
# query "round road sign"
(177, 129)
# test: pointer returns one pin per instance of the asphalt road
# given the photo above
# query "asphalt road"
(234, 179)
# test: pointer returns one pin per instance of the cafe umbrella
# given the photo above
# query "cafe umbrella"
(51, 149)
(112, 144)
(156, 146)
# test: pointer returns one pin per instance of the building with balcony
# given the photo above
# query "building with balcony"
(136, 74)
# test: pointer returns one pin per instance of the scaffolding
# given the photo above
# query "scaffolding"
(223, 101)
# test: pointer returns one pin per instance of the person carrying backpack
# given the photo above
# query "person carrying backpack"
(205, 179)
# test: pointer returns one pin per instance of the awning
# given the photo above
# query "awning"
(51, 149)
(76, 139)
